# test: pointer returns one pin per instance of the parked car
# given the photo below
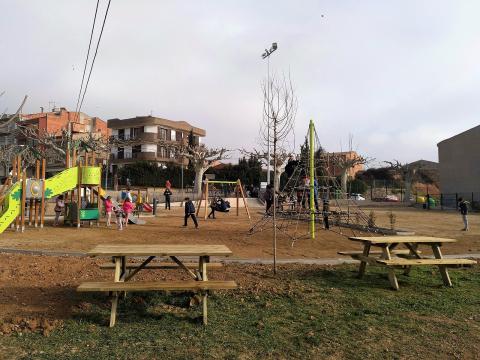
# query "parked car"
(357, 197)
(392, 198)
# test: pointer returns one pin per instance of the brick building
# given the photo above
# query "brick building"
(57, 120)
(334, 170)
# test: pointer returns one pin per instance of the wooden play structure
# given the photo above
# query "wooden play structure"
(80, 182)
(205, 198)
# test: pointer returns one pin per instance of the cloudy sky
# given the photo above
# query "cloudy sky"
(397, 75)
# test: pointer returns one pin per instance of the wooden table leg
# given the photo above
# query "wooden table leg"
(443, 269)
(391, 272)
(413, 254)
(363, 264)
(202, 268)
(113, 312)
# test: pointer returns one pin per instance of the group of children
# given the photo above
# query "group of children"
(122, 212)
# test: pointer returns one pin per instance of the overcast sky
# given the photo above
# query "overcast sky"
(398, 75)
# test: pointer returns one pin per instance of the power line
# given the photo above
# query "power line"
(95, 55)
(88, 54)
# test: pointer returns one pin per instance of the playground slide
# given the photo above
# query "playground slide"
(11, 206)
(58, 184)
(135, 220)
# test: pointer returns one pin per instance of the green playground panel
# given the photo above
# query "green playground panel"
(91, 175)
(89, 214)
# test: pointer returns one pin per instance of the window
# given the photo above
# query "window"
(178, 135)
(134, 132)
(161, 152)
(136, 149)
(120, 150)
(121, 135)
(162, 134)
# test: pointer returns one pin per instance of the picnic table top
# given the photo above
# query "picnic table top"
(159, 250)
(401, 239)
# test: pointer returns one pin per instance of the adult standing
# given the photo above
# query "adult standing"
(463, 207)
(167, 193)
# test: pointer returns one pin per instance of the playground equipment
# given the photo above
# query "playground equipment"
(238, 192)
(300, 201)
(81, 183)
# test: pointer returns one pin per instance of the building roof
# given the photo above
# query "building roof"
(151, 120)
(466, 132)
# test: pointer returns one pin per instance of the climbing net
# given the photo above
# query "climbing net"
(332, 210)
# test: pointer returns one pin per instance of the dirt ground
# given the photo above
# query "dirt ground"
(232, 231)
(40, 290)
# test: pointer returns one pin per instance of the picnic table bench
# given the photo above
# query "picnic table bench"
(391, 257)
(124, 271)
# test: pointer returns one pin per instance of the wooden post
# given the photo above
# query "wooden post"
(19, 178)
(98, 198)
(42, 201)
(244, 199)
(24, 198)
(237, 193)
(79, 192)
(206, 198)
(37, 176)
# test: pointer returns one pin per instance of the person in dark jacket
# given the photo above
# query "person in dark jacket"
(325, 213)
(167, 193)
(463, 207)
(190, 211)
(268, 197)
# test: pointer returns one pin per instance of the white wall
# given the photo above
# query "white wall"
(173, 137)
(127, 136)
(114, 149)
(114, 132)
(149, 148)
(150, 129)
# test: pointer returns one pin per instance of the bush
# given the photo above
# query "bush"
(357, 186)
(144, 173)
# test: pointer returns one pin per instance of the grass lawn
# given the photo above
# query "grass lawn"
(311, 313)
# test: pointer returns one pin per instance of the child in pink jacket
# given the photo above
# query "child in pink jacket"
(127, 209)
(108, 209)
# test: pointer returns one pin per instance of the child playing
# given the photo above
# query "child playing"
(127, 209)
(59, 206)
(108, 209)
(118, 214)
(190, 211)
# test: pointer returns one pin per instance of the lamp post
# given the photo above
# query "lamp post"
(266, 55)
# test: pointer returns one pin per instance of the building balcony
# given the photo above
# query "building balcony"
(144, 156)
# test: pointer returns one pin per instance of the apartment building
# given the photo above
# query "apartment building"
(150, 137)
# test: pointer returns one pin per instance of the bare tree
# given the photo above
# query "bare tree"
(279, 111)
(407, 173)
(279, 162)
(13, 117)
(345, 163)
(202, 158)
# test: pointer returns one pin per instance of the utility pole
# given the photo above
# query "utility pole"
(266, 55)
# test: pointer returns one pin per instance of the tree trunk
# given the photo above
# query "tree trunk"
(344, 177)
(278, 175)
(199, 171)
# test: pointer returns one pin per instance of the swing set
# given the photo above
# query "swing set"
(238, 193)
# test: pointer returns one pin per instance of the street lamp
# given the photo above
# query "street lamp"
(266, 55)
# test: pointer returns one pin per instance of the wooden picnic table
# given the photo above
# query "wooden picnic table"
(123, 272)
(392, 257)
